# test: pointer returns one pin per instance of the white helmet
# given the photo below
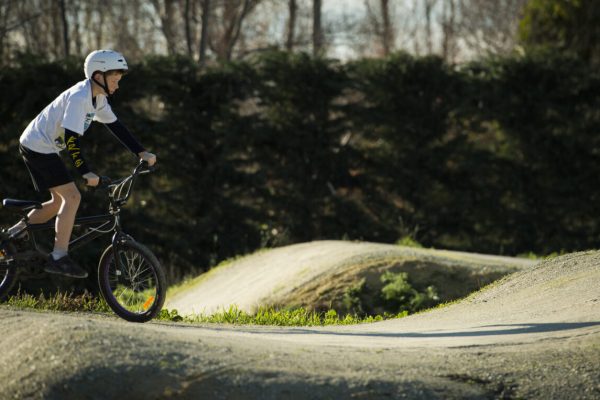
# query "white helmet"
(103, 60)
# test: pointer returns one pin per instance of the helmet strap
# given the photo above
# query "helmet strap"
(103, 86)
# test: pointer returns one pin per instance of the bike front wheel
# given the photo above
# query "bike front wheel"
(8, 270)
(135, 286)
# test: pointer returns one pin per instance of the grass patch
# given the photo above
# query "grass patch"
(60, 301)
(409, 241)
(67, 302)
(273, 317)
(537, 257)
(394, 295)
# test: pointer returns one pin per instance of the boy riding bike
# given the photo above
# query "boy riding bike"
(58, 127)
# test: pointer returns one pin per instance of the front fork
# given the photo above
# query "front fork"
(118, 240)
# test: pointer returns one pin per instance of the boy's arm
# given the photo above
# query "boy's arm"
(74, 149)
(122, 133)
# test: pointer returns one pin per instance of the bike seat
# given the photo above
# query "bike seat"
(22, 205)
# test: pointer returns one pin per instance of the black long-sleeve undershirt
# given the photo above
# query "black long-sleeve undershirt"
(122, 133)
(116, 128)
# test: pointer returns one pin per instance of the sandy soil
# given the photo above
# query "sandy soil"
(534, 335)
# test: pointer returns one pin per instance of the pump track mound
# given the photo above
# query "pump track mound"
(534, 334)
(314, 275)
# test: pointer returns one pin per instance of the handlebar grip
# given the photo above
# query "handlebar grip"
(104, 182)
(144, 167)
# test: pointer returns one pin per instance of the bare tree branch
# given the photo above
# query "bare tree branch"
(166, 12)
(21, 22)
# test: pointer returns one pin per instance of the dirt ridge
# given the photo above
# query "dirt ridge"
(292, 275)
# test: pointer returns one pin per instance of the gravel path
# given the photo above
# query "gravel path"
(534, 335)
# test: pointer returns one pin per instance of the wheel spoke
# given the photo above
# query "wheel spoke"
(133, 282)
(136, 289)
(7, 270)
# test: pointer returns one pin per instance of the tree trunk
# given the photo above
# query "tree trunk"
(188, 28)
(65, 26)
(204, 32)
(291, 28)
(76, 13)
(167, 21)
(428, 32)
(387, 33)
(448, 29)
(225, 37)
(237, 27)
(5, 13)
(56, 32)
(317, 29)
(99, 31)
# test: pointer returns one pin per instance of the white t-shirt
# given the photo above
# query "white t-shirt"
(72, 110)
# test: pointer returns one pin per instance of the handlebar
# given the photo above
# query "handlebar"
(119, 190)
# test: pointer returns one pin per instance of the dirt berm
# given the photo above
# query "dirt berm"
(316, 275)
(533, 335)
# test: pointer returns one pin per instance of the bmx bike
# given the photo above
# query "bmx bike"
(130, 277)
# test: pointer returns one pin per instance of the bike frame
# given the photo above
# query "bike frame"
(100, 224)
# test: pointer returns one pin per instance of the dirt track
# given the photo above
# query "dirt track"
(534, 335)
(301, 272)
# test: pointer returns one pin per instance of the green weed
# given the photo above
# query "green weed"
(67, 302)
(399, 295)
(60, 302)
(351, 300)
(409, 241)
(274, 317)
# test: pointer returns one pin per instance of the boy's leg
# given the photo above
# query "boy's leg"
(48, 211)
(65, 218)
(59, 261)
(47, 172)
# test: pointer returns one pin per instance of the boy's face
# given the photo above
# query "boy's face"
(112, 80)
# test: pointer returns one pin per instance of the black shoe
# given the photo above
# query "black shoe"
(65, 266)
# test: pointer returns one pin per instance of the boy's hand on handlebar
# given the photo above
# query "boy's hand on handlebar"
(148, 157)
(91, 179)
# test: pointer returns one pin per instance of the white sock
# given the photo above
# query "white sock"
(58, 254)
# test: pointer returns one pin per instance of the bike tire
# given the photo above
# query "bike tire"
(127, 299)
(8, 269)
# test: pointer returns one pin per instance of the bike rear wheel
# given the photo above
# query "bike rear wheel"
(135, 288)
(8, 270)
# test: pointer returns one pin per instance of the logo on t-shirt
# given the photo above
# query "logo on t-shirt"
(60, 141)
(89, 117)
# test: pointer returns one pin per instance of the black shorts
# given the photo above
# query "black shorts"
(46, 170)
